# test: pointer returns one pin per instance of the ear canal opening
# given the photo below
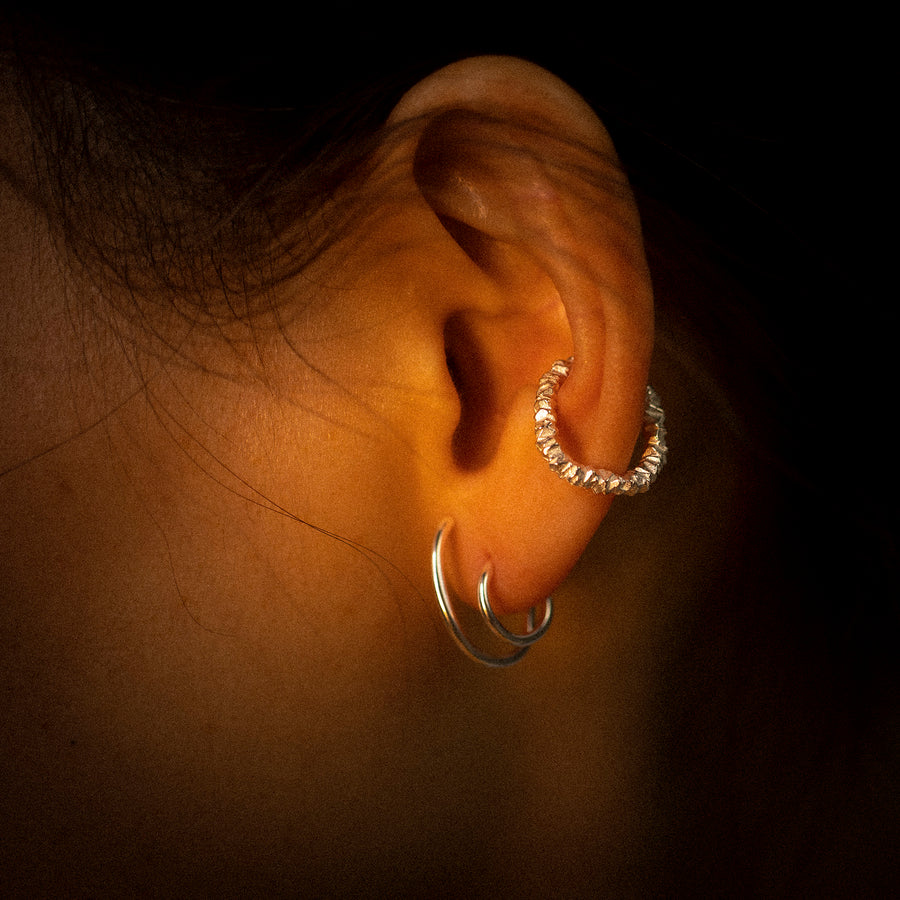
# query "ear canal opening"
(477, 433)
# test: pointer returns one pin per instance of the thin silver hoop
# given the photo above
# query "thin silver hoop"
(600, 481)
(511, 637)
(522, 641)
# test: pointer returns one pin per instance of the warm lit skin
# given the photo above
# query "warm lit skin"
(188, 648)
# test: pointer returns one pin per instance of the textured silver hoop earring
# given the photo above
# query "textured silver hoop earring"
(520, 641)
(600, 481)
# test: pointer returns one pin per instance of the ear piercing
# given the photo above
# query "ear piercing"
(600, 481)
(520, 641)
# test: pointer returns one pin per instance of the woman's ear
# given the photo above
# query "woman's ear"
(522, 179)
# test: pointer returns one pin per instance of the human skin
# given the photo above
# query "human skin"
(225, 652)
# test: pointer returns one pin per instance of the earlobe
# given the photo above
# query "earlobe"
(525, 182)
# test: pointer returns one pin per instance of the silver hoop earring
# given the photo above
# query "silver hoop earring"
(600, 481)
(522, 641)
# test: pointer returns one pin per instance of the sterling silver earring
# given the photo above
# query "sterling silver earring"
(600, 481)
(520, 641)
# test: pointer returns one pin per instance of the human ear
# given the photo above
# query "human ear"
(523, 180)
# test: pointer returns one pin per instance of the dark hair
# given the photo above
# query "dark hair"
(188, 176)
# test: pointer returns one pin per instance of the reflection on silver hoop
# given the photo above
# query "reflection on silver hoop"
(521, 641)
(600, 481)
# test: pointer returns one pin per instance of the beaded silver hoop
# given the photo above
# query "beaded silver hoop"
(600, 481)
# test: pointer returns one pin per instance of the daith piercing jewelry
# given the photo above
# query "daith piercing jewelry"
(521, 642)
(600, 481)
